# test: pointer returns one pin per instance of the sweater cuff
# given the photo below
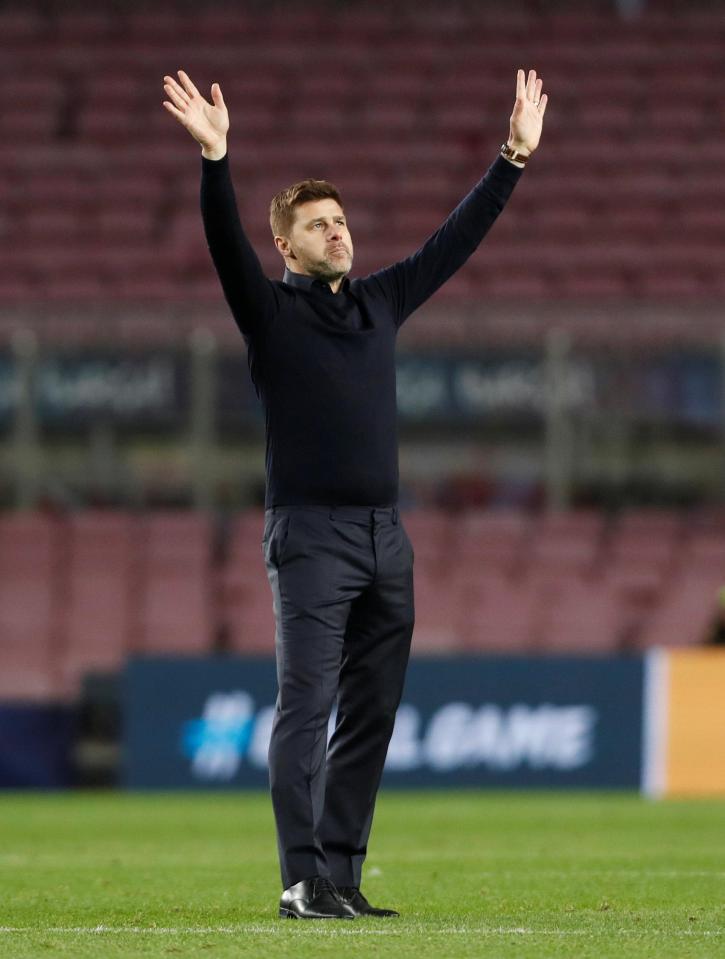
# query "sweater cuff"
(501, 178)
(502, 169)
(215, 167)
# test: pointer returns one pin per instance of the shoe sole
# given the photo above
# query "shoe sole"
(288, 914)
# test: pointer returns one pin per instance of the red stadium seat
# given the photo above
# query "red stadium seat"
(176, 614)
(73, 290)
(16, 290)
(598, 228)
(30, 126)
(20, 26)
(62, 225)
(568, 542)
(103, 582)
(593, 282)
(579, 618)
(704, 551)
(247, 614)
(30, 606)
(437, 613)
(647, 535)
(687, 611)
(431, 534)
(85, 27)
(499, 614)
(492, 539)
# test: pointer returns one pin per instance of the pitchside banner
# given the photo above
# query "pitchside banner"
(143, 390)
(36, 746)
(544, 722)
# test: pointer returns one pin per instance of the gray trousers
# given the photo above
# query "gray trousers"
(342, 586)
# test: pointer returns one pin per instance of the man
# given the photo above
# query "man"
(321, 351)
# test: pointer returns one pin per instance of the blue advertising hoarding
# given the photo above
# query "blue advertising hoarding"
(498, 722)
(36, 746)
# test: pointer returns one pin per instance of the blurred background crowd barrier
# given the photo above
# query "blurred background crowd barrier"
(561, 399)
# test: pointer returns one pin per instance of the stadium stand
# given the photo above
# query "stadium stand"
(175, 595)
(578, 617)
(499, 615)
(101, 240)
(98, 198)
(31, 558)
(80, 594)
(102, 584)
(567, 544)
(492, 540)
(246, 599)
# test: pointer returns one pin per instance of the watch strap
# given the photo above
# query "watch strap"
(511, 154)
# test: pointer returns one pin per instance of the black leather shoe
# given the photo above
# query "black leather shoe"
(354, 899)
(314, 898)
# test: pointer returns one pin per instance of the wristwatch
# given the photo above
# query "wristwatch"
(511, 154)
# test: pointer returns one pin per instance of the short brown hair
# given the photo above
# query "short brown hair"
(282, 208)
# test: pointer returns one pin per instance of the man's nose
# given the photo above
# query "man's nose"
(335, 232)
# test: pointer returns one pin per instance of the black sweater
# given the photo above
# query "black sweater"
(323, 363)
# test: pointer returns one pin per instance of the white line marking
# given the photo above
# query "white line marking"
(279, 927)
(619, 873)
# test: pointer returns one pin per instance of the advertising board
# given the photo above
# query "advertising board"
(539, 722)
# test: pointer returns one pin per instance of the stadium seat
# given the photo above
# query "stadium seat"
(176, 615)
(74, 290)
(102, 585)
(567, 542)
(578, 617)
(704, 550)
(431, 534)
(499, 614)
(687, 611)
(246, 530)
(438, 600)
(15, 291)
(30, 126)
(413, 88)
(21, 26)
(30, 607)
(87, 27)
(247, 614)
(492, 540)
(244, 560)
(645, 539)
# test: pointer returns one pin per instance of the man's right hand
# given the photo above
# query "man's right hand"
(207, 122)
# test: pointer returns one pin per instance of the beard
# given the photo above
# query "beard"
(333, 267)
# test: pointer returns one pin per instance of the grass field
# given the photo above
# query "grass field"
(473, 874)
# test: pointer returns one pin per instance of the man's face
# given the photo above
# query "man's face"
(319, 243)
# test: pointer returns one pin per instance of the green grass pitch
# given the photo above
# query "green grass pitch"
(473, 873)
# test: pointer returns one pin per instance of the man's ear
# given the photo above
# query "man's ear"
(282, 244)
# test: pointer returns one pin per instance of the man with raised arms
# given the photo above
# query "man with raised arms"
(321, 352)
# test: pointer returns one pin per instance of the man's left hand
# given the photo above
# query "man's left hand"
(528, 115)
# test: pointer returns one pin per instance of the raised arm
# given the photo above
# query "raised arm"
(410, 282)
(249, 293)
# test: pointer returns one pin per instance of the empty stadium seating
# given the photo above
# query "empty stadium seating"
(101, 588)
(407, 113)
(79, 594)
(31, 557)
(175, 594)
(403, 107)
(246, 598)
